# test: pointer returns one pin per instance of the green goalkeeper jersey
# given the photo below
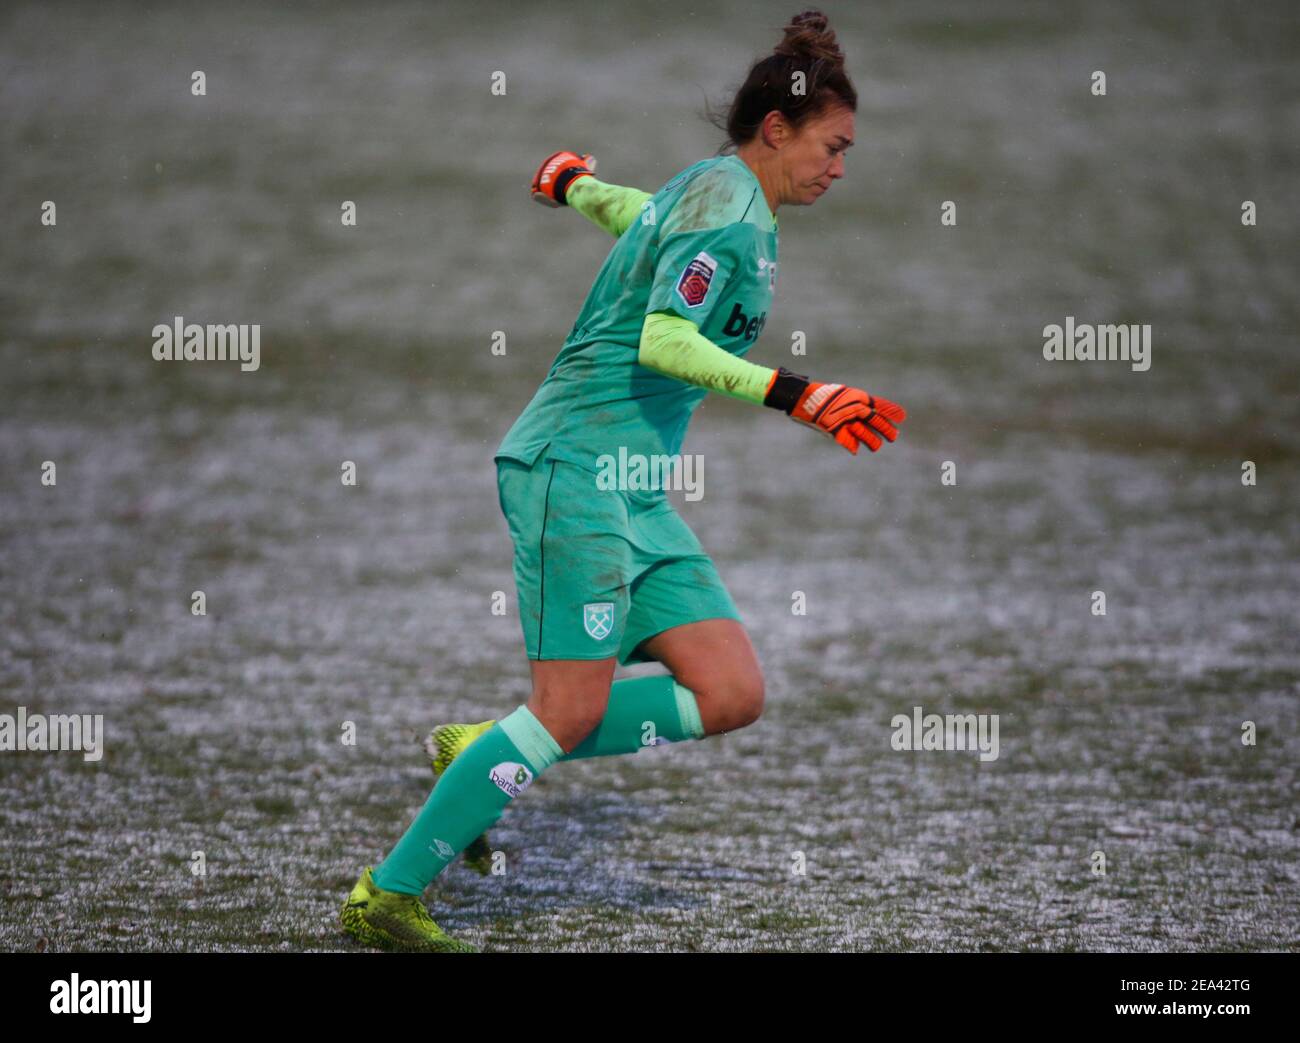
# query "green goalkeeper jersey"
(705, 248)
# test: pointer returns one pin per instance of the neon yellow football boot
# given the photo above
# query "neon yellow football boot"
(398, 922)
(443, 745)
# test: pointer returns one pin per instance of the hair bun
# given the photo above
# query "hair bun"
(809, 36)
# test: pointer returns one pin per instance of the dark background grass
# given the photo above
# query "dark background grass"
(372, 604)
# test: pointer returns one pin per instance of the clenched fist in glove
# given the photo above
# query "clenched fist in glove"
(556, 173)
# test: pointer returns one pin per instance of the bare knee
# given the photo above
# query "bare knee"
(729, 701)
(569, 712)
(747, 696)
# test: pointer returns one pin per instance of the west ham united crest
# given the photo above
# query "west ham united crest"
(598, 619)
(693, 286)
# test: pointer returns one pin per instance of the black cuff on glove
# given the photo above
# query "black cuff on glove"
(563, 181)
(785, 390)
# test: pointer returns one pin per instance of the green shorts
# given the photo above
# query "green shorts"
(598, 572)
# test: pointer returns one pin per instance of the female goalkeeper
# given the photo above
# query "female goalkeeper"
(608, 576)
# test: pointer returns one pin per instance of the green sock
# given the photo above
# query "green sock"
(502, 762)
(642, 711)
(469, 798)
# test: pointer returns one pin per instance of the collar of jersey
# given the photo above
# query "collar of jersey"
(757, 185)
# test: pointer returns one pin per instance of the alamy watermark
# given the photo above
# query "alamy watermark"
(58, 731)
(952, 731)
(1087, 343)
(637, 471)
(72, 995)
(190, 342)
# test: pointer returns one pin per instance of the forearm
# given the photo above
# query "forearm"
(674, 346)
(611, 207)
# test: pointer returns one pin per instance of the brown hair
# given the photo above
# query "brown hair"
(808, 47)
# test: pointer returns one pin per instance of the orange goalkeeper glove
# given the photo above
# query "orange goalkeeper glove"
(557, 173)
(846, 414)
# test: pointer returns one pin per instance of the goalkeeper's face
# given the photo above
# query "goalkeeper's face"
(813, 158)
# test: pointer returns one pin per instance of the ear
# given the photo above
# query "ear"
(774, 129)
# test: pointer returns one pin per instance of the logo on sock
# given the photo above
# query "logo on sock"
(598, 618)
(511, 778)
(442, 849)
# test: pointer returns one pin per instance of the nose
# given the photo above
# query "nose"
(837, 166)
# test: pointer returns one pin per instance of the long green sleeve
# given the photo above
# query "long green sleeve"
(674, 346)
(611, 207)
